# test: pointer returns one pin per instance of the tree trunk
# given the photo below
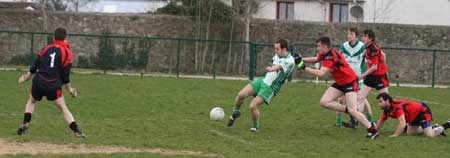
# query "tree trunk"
(197, 35)
(77, 4)
(213, 58)
(205, 50)
(235, 61)
(44, 16)
(229, 48)
(246, 56)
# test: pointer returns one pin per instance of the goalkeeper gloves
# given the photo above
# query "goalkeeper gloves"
(299, 61)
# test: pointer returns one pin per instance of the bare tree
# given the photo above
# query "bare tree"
(44, 15)
(246, 9)
(205, 50)
(75, 5)
(62, 5)
(382, 10)
(227, 69)
(197, 33)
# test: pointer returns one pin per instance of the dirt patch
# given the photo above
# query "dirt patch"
(7, 147)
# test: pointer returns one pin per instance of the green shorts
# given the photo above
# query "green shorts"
(263, 90)
(360, 83)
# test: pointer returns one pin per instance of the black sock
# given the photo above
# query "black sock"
(352, 119)
(74, 127)
(446, 125)
(372, 128)
(26, 118)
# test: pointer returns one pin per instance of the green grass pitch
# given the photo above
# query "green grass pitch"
(171, 113)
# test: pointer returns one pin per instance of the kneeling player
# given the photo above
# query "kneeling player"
(416, 116)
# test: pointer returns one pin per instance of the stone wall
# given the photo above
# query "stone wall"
(161, 53)
(219, 57)
(404, 65)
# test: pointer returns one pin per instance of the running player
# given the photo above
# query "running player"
(376, 74)
(346, 82)
(265, 88)
(354, 53)
(51, 70)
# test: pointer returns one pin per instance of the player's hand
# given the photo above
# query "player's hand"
(24, 77)
(73, 92)
(297, 58)
(299, 61)
(268, 68)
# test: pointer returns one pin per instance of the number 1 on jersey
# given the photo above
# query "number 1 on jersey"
(52, 62)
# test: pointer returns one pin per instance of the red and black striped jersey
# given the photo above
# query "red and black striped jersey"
(410, 109)
(52, 65)
(374, 56)
(340, 69)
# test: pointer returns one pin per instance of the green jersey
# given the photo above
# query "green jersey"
(355, 55)
(276, 79)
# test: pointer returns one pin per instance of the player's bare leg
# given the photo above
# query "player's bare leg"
(362, 95)
(368, 111)
(384, 90)
(332, 93)
(432, 132)
(244, 93)
(339, 115)
(254, 105)
(350, 98)
(29, 109)
(61, 104)
(328, 100)
(414, 130)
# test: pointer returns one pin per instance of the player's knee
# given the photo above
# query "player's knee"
(241, 96)
(325, 103)
(352, 111)
(253, 107)
(341, 100)
(360, 99)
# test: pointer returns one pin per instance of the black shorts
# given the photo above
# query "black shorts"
(350, 87)
(50, 93)
(425, 117)
(377, 81)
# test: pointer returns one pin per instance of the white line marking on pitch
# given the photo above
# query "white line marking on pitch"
(246, 142)
(231, 137)
(426, 101)
(416, 99)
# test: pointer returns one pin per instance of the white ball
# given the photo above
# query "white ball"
(217, 114)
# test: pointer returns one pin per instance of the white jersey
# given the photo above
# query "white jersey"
(355, 56)
(275, 79)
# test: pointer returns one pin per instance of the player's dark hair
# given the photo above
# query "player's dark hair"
(324, 40)
(385, 97)
(283, 43)
(354, 30)
(370, 34)
(60, 34)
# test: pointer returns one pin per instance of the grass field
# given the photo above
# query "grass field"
(170, 113)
